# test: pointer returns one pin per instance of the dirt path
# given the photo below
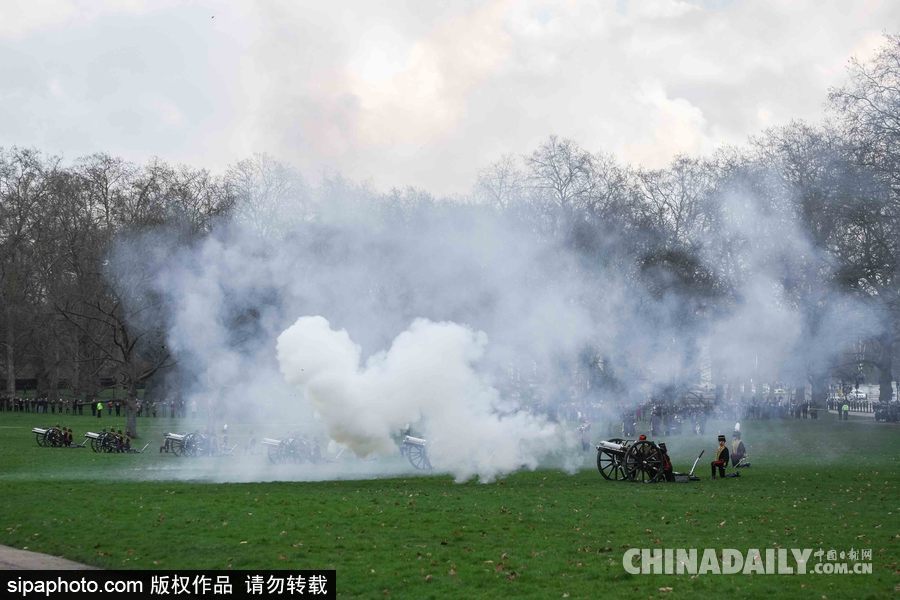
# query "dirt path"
(13, 559)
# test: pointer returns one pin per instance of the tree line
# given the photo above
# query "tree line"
(76, 313)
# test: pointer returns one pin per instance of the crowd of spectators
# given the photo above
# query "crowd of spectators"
(169, 407)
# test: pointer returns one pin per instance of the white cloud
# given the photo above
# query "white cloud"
(422, 95)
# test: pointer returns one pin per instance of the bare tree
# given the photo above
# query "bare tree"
(502, 182)
(268, 195)
(23, 188)
(868, 108)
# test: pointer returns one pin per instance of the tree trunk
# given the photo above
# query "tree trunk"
(10, 354)
(819, 390)
(54, 372)
(75, 382)
(885, 376)
(131, 411)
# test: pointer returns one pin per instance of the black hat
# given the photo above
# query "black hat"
(721, 438)
(662, 446)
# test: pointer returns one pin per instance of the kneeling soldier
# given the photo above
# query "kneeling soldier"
(738, 450)
(721, 458)
(668, 473)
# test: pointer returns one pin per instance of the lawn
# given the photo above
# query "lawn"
(542, 534)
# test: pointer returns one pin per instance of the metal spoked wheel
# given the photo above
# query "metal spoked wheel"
(418, 457)
(274, 454)
(610, 466)
(291, 451)
(610, 463)
(54, 437)
(644, 462)
(195, 444)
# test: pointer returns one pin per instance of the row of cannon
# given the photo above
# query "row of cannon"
(617, 459)
(278, 451)
(294, 450)
(100, 442)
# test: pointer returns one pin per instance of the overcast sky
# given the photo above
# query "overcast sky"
(417, 92)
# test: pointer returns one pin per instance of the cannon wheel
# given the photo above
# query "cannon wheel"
(291, 451)
(193, 444)
(177, 447)
(54, 437)
(275, 454)
(95, 444)
(418, 457)
(41, 439)
(189, 445)
(609, 464)
(643, 462)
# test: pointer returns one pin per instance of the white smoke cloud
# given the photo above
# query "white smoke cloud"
(428, 378)
(470, 326)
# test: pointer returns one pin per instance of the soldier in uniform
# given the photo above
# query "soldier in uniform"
(668, 473)
(721, 458)
(738, 450)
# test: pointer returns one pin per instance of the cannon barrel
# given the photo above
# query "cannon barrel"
(415, 441)
(270, 442)
(175, 437)
(92, 435)
(611, 446)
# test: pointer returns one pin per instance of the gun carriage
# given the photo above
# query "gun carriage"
(100, 442)
(414, 450)
(188, 444)
(630, 460)
(291, 450)
(110, 441)
(51, 437)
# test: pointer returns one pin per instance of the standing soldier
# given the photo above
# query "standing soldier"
(721, 458)
(99, 409)
(585, 430)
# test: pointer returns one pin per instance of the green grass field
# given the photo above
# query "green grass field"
(543, 534)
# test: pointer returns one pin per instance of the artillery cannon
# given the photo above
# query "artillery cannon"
(414, 450)
(100, 442)
(51, 437)
(632, 460)
(294, 450)
(110, 441)
(188, 444)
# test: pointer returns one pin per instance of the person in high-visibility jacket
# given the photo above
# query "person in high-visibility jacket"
(99, 409)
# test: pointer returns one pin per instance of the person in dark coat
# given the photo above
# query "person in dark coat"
(668, 473)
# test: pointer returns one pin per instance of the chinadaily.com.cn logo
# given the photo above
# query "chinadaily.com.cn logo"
(729, 561)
